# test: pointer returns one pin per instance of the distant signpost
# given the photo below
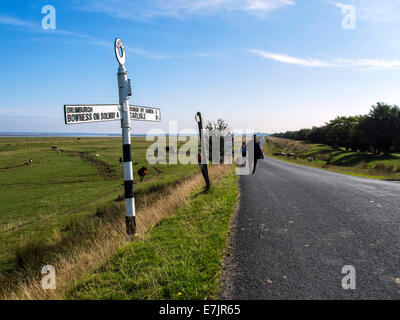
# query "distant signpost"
(88, 113)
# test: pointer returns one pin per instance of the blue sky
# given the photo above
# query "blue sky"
(267, 65)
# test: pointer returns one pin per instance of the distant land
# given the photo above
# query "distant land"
(63, 134)
(81, 134)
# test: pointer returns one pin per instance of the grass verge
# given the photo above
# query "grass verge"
(39, 200)
(178, 259)
(384, 167)
(95, 240)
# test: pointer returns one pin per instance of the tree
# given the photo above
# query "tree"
(358, 141)
(378, 131)
(217, 129)
(381, 127)
(339, 132)
(318, 135)
(302, 134)
(219, 126)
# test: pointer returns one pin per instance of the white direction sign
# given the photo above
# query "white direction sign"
(91, 113)
(75, 114)
(140, 113)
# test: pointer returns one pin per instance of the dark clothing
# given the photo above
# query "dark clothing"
(254, 154)
(257, 154)
(255, 165)
(244, 151)
(257, 151)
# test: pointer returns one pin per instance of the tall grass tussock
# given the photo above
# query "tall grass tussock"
(92, 241)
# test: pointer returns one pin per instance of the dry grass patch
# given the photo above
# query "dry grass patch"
(290, 145)
(95, 241)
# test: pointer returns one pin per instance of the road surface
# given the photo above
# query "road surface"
(297, 227)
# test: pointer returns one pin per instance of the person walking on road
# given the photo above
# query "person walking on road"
(256, 154)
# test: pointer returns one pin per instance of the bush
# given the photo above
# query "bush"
(30, 253)
(111, 212)
(325, 157)
(363, 165)
(385, 167)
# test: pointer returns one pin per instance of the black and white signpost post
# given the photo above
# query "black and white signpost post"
(203, 160)
(76, 114)
(125, 91)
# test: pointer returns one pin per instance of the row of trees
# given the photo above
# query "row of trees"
(377, 132)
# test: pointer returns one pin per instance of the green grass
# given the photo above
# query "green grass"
(338, 160)
(180, 258)
(39, 200)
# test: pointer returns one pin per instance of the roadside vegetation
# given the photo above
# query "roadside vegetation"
(377, 132)
(367, 145)
(58, 200)
(96, 239)
(180, 258)
(65, 208)
(322, 156)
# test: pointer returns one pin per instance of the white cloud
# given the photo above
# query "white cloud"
(368, 63)
(36, 27)
(338, 4)
(138, 10)
(266, 5)
(363, 63)
(306, 62)
(145, 53)
(15, 22)
(203, 54)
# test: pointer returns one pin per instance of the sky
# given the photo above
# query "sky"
(265, 65)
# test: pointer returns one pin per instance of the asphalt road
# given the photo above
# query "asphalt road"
(297, 227)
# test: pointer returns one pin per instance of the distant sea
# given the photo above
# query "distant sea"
(62, 134)
(79, 134)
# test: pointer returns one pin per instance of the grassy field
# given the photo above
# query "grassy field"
(338, 160)
(178, 259)
(42, 201)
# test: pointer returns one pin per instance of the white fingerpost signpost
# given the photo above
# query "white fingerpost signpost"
(78, 114)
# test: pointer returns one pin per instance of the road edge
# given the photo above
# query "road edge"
(228, 262)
